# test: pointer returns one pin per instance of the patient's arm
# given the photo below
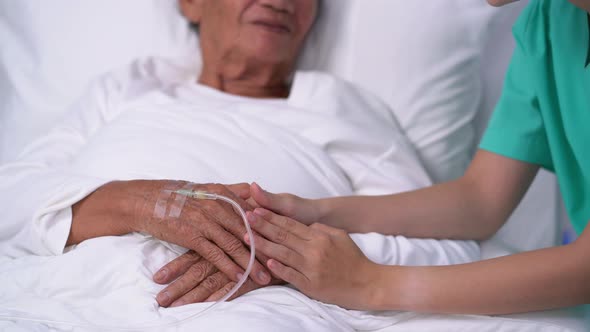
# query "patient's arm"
(209, 227)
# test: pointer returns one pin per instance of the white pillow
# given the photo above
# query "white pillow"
(52, 49)
(420, 56)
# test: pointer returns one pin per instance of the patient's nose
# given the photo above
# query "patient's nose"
(286, 6)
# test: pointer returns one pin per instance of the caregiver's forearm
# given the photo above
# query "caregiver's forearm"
(539, 280)
(446, 211)
(108, 211)
(472, 207)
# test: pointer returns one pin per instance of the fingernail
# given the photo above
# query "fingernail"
(263, 276)
(163, 297)
(161, 275)
(239, 276)
(247, 238)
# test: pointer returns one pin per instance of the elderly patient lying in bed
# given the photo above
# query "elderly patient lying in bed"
(247, 116)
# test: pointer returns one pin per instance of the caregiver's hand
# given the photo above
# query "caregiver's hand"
(193, 279)
(209, 227)
(301, 209)
(322, 262)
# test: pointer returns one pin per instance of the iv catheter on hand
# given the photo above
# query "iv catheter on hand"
(209, 196)
(200, 195)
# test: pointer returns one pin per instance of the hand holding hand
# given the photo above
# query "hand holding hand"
(321, 261)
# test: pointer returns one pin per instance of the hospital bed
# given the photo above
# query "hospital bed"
(438, 64)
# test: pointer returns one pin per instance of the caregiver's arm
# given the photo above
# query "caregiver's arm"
(321, 261)
(471, 207)
(536, 280)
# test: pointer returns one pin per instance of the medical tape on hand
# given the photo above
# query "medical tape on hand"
(162, 202)
(179, 202)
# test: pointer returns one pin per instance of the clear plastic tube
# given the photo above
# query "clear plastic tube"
(196, 195)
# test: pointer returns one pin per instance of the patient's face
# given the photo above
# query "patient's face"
(268, 30)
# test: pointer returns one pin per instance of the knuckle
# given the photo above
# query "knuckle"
(281, 236)
(214, 255)
(197, 272)
(288, 222)
(225, 289)
(213, 283)
(234, 247)
(192, 255)
(198, 241)
(186, 259)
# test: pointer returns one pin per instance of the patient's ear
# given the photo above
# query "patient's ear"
(192, 10)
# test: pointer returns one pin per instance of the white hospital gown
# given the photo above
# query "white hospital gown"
(327, 138)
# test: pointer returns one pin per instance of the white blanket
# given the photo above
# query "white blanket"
(326, 139)
(108, 281)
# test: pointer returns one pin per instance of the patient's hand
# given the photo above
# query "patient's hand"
(209, 227)
(193, 279)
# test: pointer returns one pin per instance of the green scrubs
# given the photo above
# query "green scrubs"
(543, 116)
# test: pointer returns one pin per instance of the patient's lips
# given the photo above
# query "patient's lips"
(273, 26)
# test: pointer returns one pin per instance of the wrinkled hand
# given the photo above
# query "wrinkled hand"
(321, 261)
(289, 205)
(193, 279)
(209, 227)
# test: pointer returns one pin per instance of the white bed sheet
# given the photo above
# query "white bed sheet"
(121, 293)
(70, 288)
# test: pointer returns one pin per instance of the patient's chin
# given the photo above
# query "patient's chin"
(268, 50)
